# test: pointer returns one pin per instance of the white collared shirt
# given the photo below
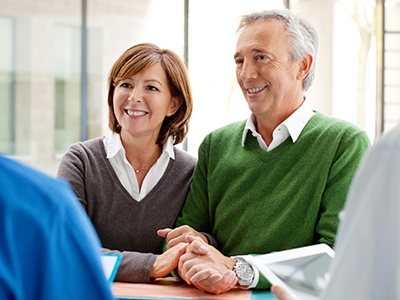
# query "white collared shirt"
(292, 127)
(125, 172)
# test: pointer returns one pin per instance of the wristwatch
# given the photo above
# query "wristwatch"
(244, 272)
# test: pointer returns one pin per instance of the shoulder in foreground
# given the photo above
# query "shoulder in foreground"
(390, 139)
(15, 169)
(32, 180)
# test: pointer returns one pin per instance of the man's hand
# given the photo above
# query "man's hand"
(178, 235)
(168, 261)
(206, 268)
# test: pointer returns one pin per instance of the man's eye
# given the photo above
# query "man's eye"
(239, 61)
(261, 57)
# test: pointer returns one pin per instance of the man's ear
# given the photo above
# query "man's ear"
(304, 66)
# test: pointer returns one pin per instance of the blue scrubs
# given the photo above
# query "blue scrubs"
(48, 247)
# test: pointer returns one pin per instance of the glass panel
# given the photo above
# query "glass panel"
(67, 86)
(40, 66)
(113, 27)
(218, 99)
(392, 13)
(392, 64)
(7, 85)
(34, 51)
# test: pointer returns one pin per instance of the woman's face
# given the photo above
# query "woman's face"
(142, 101)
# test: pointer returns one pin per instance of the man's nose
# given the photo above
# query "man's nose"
(248, 71)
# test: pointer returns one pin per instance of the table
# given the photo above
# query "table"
(171, 289)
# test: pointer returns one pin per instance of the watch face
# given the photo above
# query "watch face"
(244, 272)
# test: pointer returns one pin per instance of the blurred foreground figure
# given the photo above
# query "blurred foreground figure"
(367, 264)
(49, 249)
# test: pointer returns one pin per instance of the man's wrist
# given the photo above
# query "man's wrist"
(244, 271)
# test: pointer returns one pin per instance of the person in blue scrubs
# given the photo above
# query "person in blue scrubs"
(48, 248)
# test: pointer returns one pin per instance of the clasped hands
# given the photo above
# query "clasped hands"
(197, 262)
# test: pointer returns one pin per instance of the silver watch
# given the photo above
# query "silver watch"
(244, 272)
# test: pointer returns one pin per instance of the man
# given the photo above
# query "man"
(48, 248)
(366, 264)
(279, 179)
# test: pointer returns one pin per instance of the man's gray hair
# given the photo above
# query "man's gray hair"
(303, 36)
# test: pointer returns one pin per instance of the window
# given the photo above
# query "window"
(7, 86)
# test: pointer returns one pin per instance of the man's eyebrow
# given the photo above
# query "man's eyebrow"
(255, 50)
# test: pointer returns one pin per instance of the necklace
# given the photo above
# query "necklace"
(139, 170)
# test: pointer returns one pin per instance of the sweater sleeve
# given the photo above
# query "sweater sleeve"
(134, 266)
(349, 154)
(195, 211)
(72, 168)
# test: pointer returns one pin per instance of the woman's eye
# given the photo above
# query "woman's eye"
(125, 85)
(152, 88)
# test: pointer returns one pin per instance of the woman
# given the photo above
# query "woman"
(134, 180)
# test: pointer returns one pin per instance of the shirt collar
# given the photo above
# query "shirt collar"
(295, 123)
(113, 146)
(169, 147)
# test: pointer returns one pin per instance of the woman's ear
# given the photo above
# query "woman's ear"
(176, 102)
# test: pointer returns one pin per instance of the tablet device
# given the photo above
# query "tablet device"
(304, 271)
(110, 264)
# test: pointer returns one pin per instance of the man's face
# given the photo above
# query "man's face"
(264, 70)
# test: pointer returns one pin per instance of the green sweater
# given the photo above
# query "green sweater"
(256, 202)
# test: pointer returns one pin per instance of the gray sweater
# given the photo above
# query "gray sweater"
(123, 224)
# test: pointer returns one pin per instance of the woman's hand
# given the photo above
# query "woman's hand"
(165, 263)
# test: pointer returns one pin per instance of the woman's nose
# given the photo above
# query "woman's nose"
(135, 96)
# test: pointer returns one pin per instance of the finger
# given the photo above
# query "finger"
(164, 232)
(229, 278)
(194, 235)
(188, 265)
(222, 282)
(207, 277)
(175, 236)
(281, 293)
(191, 238)
(196, 245)
(187, 260)
(181, 249)
(183, 230)
(175, 241)
(173, 256)
(176, 252)
(217, 284)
